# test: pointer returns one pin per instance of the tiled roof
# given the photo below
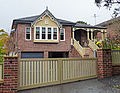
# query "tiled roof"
(88, 26)
(33, 19)
(108, 21)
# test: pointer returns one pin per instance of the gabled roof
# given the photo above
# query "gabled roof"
(32, 19)
(88, 26)
(108, 22)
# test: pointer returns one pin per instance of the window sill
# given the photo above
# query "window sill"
(47, 41)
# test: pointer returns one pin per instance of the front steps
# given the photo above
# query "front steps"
(85, 52)
(89, 53)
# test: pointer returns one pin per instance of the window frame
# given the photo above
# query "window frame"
(53, 33)
(39, 33)
(46, 34)
(49, 33)
(26, 33)
(64, 34)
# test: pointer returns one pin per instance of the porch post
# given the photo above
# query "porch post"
(73, 33)
(103, 37)
(105, 34)
(92, 34)
(88, 38)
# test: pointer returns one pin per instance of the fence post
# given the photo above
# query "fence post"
(10, 74)
(104, 60)
(60, 72)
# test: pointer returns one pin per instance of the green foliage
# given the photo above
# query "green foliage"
(1, 59)
(81, 22)
(110, 45)
(3, 41)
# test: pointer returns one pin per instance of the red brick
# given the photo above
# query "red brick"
(10, 75)
(104, 63)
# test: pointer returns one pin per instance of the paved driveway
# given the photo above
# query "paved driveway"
(107, 85)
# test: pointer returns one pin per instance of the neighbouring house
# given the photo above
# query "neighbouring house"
(113, 27)
(45, 36)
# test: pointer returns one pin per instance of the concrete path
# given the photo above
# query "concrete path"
(107, 85)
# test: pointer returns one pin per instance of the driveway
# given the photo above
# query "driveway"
(107, 85)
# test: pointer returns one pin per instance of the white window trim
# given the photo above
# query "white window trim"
(51, 33)
(35, 33)
(57, 33)
(64, 34)
(46, 33)
(25, 33)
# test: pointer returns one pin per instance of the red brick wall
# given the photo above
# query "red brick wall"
(116, 69)
(10, 75)
(113, 27)
(104, 60)
(1, 88)
(30, 46)
(74, 54)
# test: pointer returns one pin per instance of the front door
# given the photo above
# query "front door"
(78, 35)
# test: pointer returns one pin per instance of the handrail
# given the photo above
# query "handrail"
(79, 48)
(92, 45)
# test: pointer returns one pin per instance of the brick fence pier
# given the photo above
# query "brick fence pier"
(10, 83)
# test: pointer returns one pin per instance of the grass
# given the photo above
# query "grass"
(118, 87)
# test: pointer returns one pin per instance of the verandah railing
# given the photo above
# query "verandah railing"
(92, 45)
(116, 57)
(79, 48)
(42, 72)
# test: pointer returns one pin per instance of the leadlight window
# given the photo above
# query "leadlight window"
(28, 36)
(37, 32)
(43, 33)
(46, 33)
(54, 33)
(49, 33)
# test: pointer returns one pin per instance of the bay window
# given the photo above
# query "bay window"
(28, 33)
(46, 33)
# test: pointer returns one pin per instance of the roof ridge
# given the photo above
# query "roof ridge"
(103, 23)
(27, 17)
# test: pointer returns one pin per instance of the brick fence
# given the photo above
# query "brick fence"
(10, 84)
(105, 67)
(104, 63)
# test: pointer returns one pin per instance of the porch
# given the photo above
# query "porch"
(86, 33)
(84, 37)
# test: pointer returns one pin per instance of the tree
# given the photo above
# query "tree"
(110, 4)
(3, 41)
(81, 22)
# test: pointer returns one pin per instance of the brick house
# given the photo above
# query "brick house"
(113, 27)
(45, 36)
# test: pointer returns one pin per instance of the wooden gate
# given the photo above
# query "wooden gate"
(43, 72)
(115, 57)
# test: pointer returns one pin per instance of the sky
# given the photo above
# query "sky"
(72, 10)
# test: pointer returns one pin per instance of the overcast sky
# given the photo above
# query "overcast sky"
(71, 10)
